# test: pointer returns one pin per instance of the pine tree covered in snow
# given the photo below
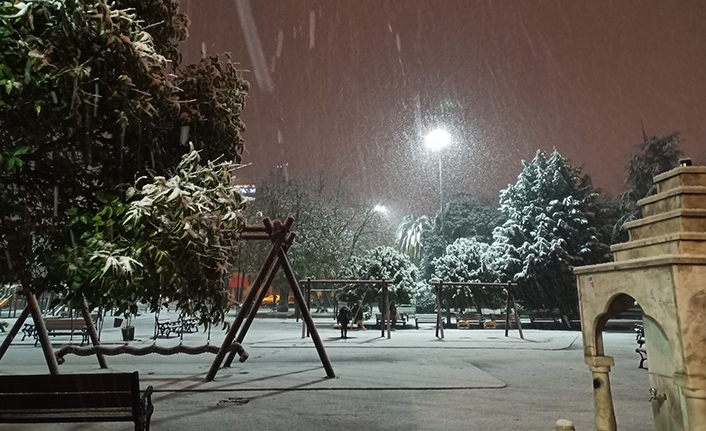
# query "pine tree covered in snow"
(555, 221)
(466, 260)
(655, 156)
(377, 264)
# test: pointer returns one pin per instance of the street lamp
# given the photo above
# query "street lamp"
(380, 209)
(437, 140)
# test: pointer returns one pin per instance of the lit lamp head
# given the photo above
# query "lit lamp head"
(436, 140)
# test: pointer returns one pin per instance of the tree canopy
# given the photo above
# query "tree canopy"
(380, 263)
(466, 260)
(332, 224)
(95, 96)
(408, 237)
(654, 156)
(465, 216)
(555, 221)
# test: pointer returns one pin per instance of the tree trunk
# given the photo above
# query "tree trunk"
(283, 305)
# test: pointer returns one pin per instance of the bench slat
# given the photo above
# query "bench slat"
(66, 415)
(118, 382)
(73, 400)
(469, 317)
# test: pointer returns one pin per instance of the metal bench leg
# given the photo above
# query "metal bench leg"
(146, 408)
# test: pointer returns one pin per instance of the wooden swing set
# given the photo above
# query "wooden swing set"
(511, 305)
(385, 323)
(281, 238)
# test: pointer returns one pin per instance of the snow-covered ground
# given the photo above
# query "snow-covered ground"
(472, 380)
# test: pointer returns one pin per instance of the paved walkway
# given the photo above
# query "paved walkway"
(471, 380)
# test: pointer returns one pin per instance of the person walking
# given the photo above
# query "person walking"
(344, 316)
(393, 314)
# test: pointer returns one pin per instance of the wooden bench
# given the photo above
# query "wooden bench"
(58, 326)
(463, 319)
(63, 326)
(428, 318)
(501, 319)
(548, 318)
(378, 319)
(408, 311)
(75, 398)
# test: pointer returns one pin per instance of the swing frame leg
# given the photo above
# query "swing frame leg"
(93, 335)
(253, 311)
(42, 332)
(272, 257)
(299, 298)
(13, 331)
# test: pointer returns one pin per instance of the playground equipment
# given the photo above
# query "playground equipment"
(385, 323)
(663, 267)
(281, 237)
(511, 304)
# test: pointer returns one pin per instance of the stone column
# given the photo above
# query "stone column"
(694, 399)
(605, 415)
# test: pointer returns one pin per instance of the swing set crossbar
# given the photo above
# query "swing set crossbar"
(511, 304)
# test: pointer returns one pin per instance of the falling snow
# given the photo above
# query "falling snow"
(504, 78)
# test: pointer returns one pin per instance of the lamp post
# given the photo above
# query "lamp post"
(437, 140)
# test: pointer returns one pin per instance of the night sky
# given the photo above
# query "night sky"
(504, 77)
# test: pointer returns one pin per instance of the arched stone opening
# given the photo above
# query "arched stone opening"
(662, 266)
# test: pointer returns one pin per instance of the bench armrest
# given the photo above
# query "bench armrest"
(146, 409)
(147, 396)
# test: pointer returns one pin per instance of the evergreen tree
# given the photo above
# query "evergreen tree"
(380, 263)
(465, 216)
(655, 156)
(554, 222)
(466, 260)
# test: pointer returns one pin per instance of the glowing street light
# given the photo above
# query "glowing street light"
(380, 209)
(437, 140)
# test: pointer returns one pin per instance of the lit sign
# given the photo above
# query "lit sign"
(248, 189)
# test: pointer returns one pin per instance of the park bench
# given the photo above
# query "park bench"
(407, 310)
(60, 326)
(465, 320)
(426, 318)
(640, 339)
(190, 325)
(167, 327)
(28, 331)
(548, 318)
(400, 319)
(500, 319)
(68, 398)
